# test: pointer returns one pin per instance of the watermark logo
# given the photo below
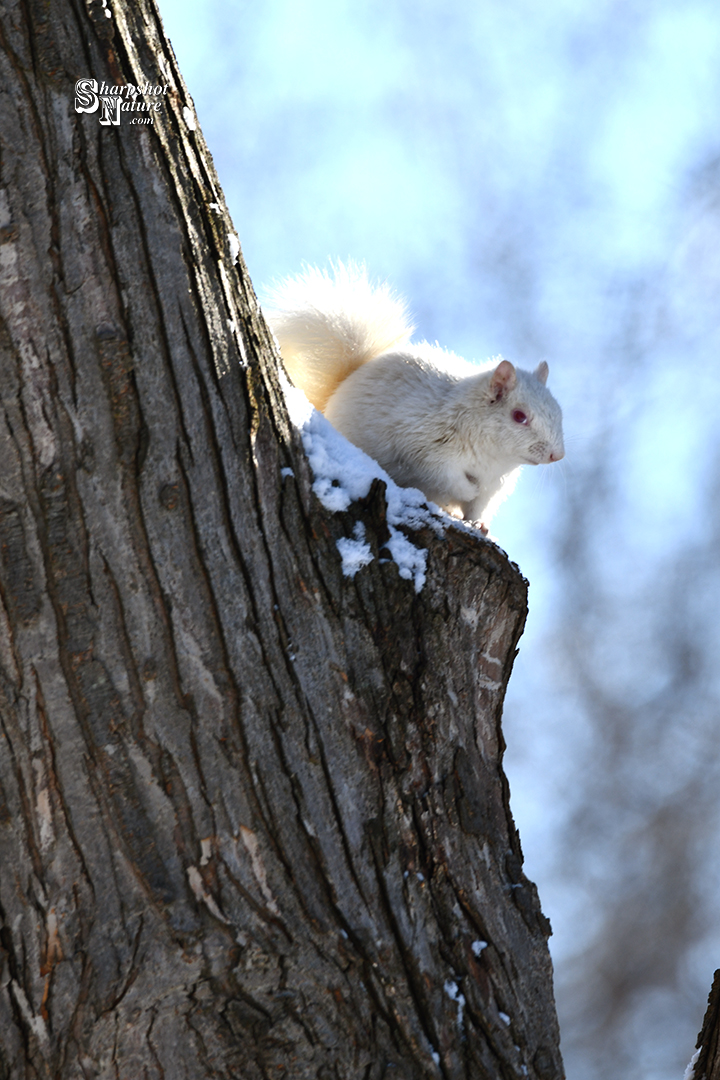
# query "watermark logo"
(136, 103)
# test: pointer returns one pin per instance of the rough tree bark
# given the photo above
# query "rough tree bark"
(706, 1061)
(253, 820)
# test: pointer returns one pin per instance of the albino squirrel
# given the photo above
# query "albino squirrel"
(457, 431)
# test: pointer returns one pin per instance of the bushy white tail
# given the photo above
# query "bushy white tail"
(328, 324)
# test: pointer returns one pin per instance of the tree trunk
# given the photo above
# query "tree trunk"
(705, 1063)
(253, 820)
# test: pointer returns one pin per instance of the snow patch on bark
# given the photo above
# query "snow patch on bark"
(343, 474)
(690, 1071)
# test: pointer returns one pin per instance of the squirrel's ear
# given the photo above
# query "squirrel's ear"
(502, 380)
(541, 371)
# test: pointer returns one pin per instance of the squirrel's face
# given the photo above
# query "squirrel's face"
(526, 418)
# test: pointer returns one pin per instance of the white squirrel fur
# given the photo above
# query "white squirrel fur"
(433, 421)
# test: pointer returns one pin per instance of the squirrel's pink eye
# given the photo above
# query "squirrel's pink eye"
(519, 416)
